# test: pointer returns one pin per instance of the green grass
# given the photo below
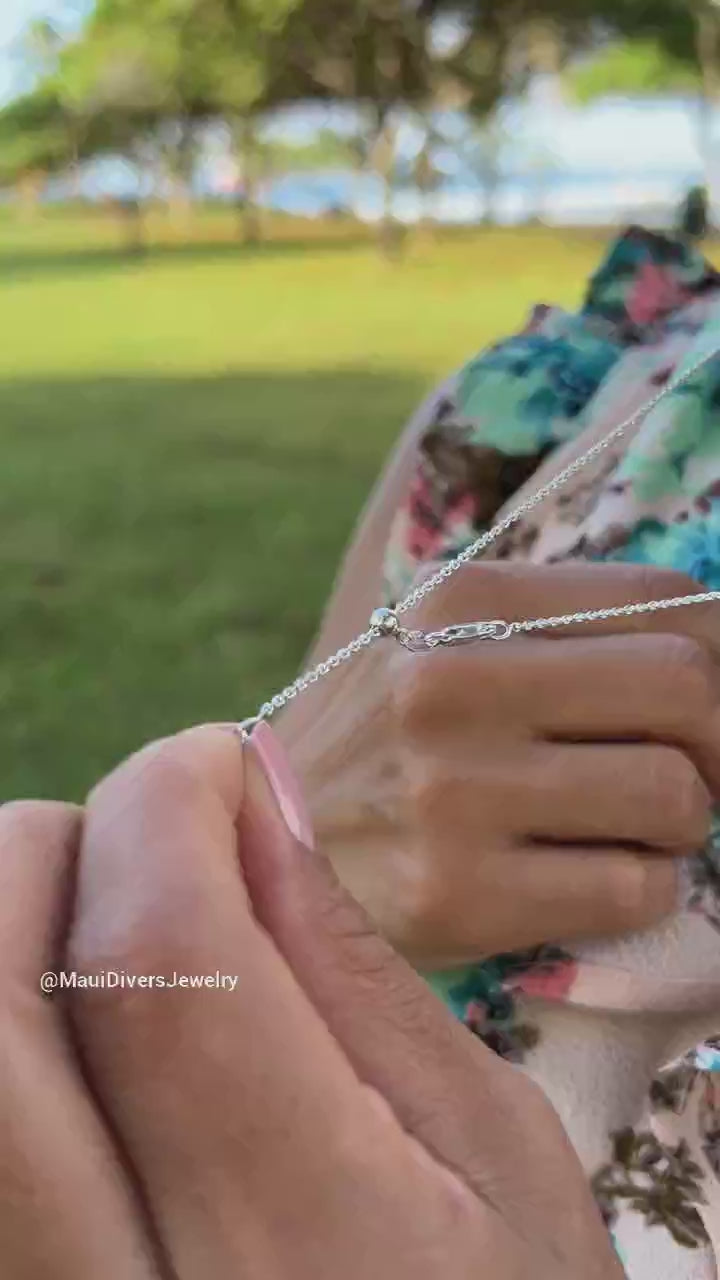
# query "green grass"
(186, 441)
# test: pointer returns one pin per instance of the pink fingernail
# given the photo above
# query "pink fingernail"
(284, 784)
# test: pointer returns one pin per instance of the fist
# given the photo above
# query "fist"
(506, 793)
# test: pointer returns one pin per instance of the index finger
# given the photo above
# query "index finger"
(239, 1111)
(517, 591)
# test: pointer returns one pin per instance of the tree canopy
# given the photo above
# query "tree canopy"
(148, 73)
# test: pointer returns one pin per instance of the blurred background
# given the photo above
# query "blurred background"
(239, 241)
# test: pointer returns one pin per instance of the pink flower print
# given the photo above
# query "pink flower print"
(655, 294)
(430, 531)
(423, 530)
(548, 983)
(460, 518)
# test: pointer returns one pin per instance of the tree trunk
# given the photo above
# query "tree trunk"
(251, 221)
(249, 163)
(75, 166)
(537, 213)
(179, 204)
(179, 173)
(491, 188)
(487, 168)
(382, 156)
(28, 190)
(131, 211)
(544, 48)
(708, 52)
(386, 228)
(425, 184)
(75, 182)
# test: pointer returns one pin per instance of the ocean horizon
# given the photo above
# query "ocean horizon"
(597, 197)
(593, 197)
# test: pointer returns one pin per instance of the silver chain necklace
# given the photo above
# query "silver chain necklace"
(386, 622)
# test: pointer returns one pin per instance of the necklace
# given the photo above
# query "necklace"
(386, 622)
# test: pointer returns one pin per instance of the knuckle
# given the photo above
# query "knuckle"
(658, 582)
(21, 812)
(164, 772)
(644, 890)
(37, 821)
(691, 662)
(410, 701)
(143, 949)
(421, 907)
(690, 678)
(432, 794)
(420, 692)
(690, 659)
(90, 950)
(158, 768)
(683, 795)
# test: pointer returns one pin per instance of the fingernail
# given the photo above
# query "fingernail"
(284, 784)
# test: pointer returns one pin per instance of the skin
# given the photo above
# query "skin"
(559, 775)
(329, 1117)
(605, 738)
(56, 1154)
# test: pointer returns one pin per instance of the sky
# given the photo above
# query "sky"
(14, 18)
(619, 136)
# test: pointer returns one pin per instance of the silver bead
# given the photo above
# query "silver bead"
(386, 621)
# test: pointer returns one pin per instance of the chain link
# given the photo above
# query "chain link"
(622, 611)
(375, 632)
(322, 669)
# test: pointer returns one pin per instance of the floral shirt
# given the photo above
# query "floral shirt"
(624, 1037)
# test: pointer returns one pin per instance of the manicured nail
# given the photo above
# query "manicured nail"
(284, 784)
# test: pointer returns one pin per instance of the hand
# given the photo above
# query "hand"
(68, 1210)
(329, 1117)
(497, 796)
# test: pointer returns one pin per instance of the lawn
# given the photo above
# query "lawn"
(186, 441)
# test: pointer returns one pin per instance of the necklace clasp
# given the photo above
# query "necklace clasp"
(467, 632)
(461, 633)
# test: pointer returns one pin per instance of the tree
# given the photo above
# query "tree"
(482, 152)
(646, 66)
(36, 129)
(41, 136)
(35, 140)
(506, 47)
(707, 44)
(638, 47)
(53, 128)
(144, 76)
(155, 70)
(375, 55)
(167, 65)
(640, 68)
(385, 58)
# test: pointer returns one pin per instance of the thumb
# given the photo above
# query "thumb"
(474, 1113)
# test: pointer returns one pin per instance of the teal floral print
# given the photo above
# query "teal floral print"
(651, 309)
(645, 282)
(485, 996)
(691, 545)
(561, 367)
